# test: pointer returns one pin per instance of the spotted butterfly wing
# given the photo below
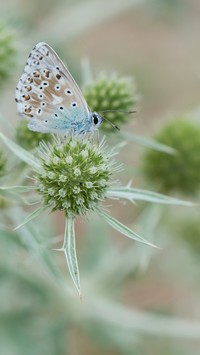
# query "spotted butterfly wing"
(49, 97)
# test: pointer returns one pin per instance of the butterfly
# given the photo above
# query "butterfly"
(48, 96)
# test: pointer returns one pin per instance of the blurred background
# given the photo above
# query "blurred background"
(136, 300)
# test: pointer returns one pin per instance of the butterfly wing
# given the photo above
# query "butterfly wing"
(48, 95)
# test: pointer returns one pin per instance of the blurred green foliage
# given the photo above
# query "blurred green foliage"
(180, 171)
(2, 162)
(8, 52)
(29, 139)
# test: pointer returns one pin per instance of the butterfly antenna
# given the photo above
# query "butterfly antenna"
(129, 112)
(113, 125)
(110, 123)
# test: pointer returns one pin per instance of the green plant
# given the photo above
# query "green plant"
(59, 169)
(111, 93)
(2, 163)
(8, 53)
(180, 171)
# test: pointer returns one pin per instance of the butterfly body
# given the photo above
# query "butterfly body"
(48, 96)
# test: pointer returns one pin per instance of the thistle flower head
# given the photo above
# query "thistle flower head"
(111, 93)
(180, 171)
(73, 175)
(29, 139)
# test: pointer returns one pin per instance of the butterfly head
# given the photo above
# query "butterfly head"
(96, 120)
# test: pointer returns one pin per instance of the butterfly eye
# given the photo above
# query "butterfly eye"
(96, 119)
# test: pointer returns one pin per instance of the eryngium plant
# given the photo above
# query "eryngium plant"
(77, 176)
(109, 93)
(180, 171)
(74, 176)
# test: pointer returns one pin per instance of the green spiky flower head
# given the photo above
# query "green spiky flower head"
(111, 93)
(7, 52)
(74, 175)
(179, 171)
(29, 139)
